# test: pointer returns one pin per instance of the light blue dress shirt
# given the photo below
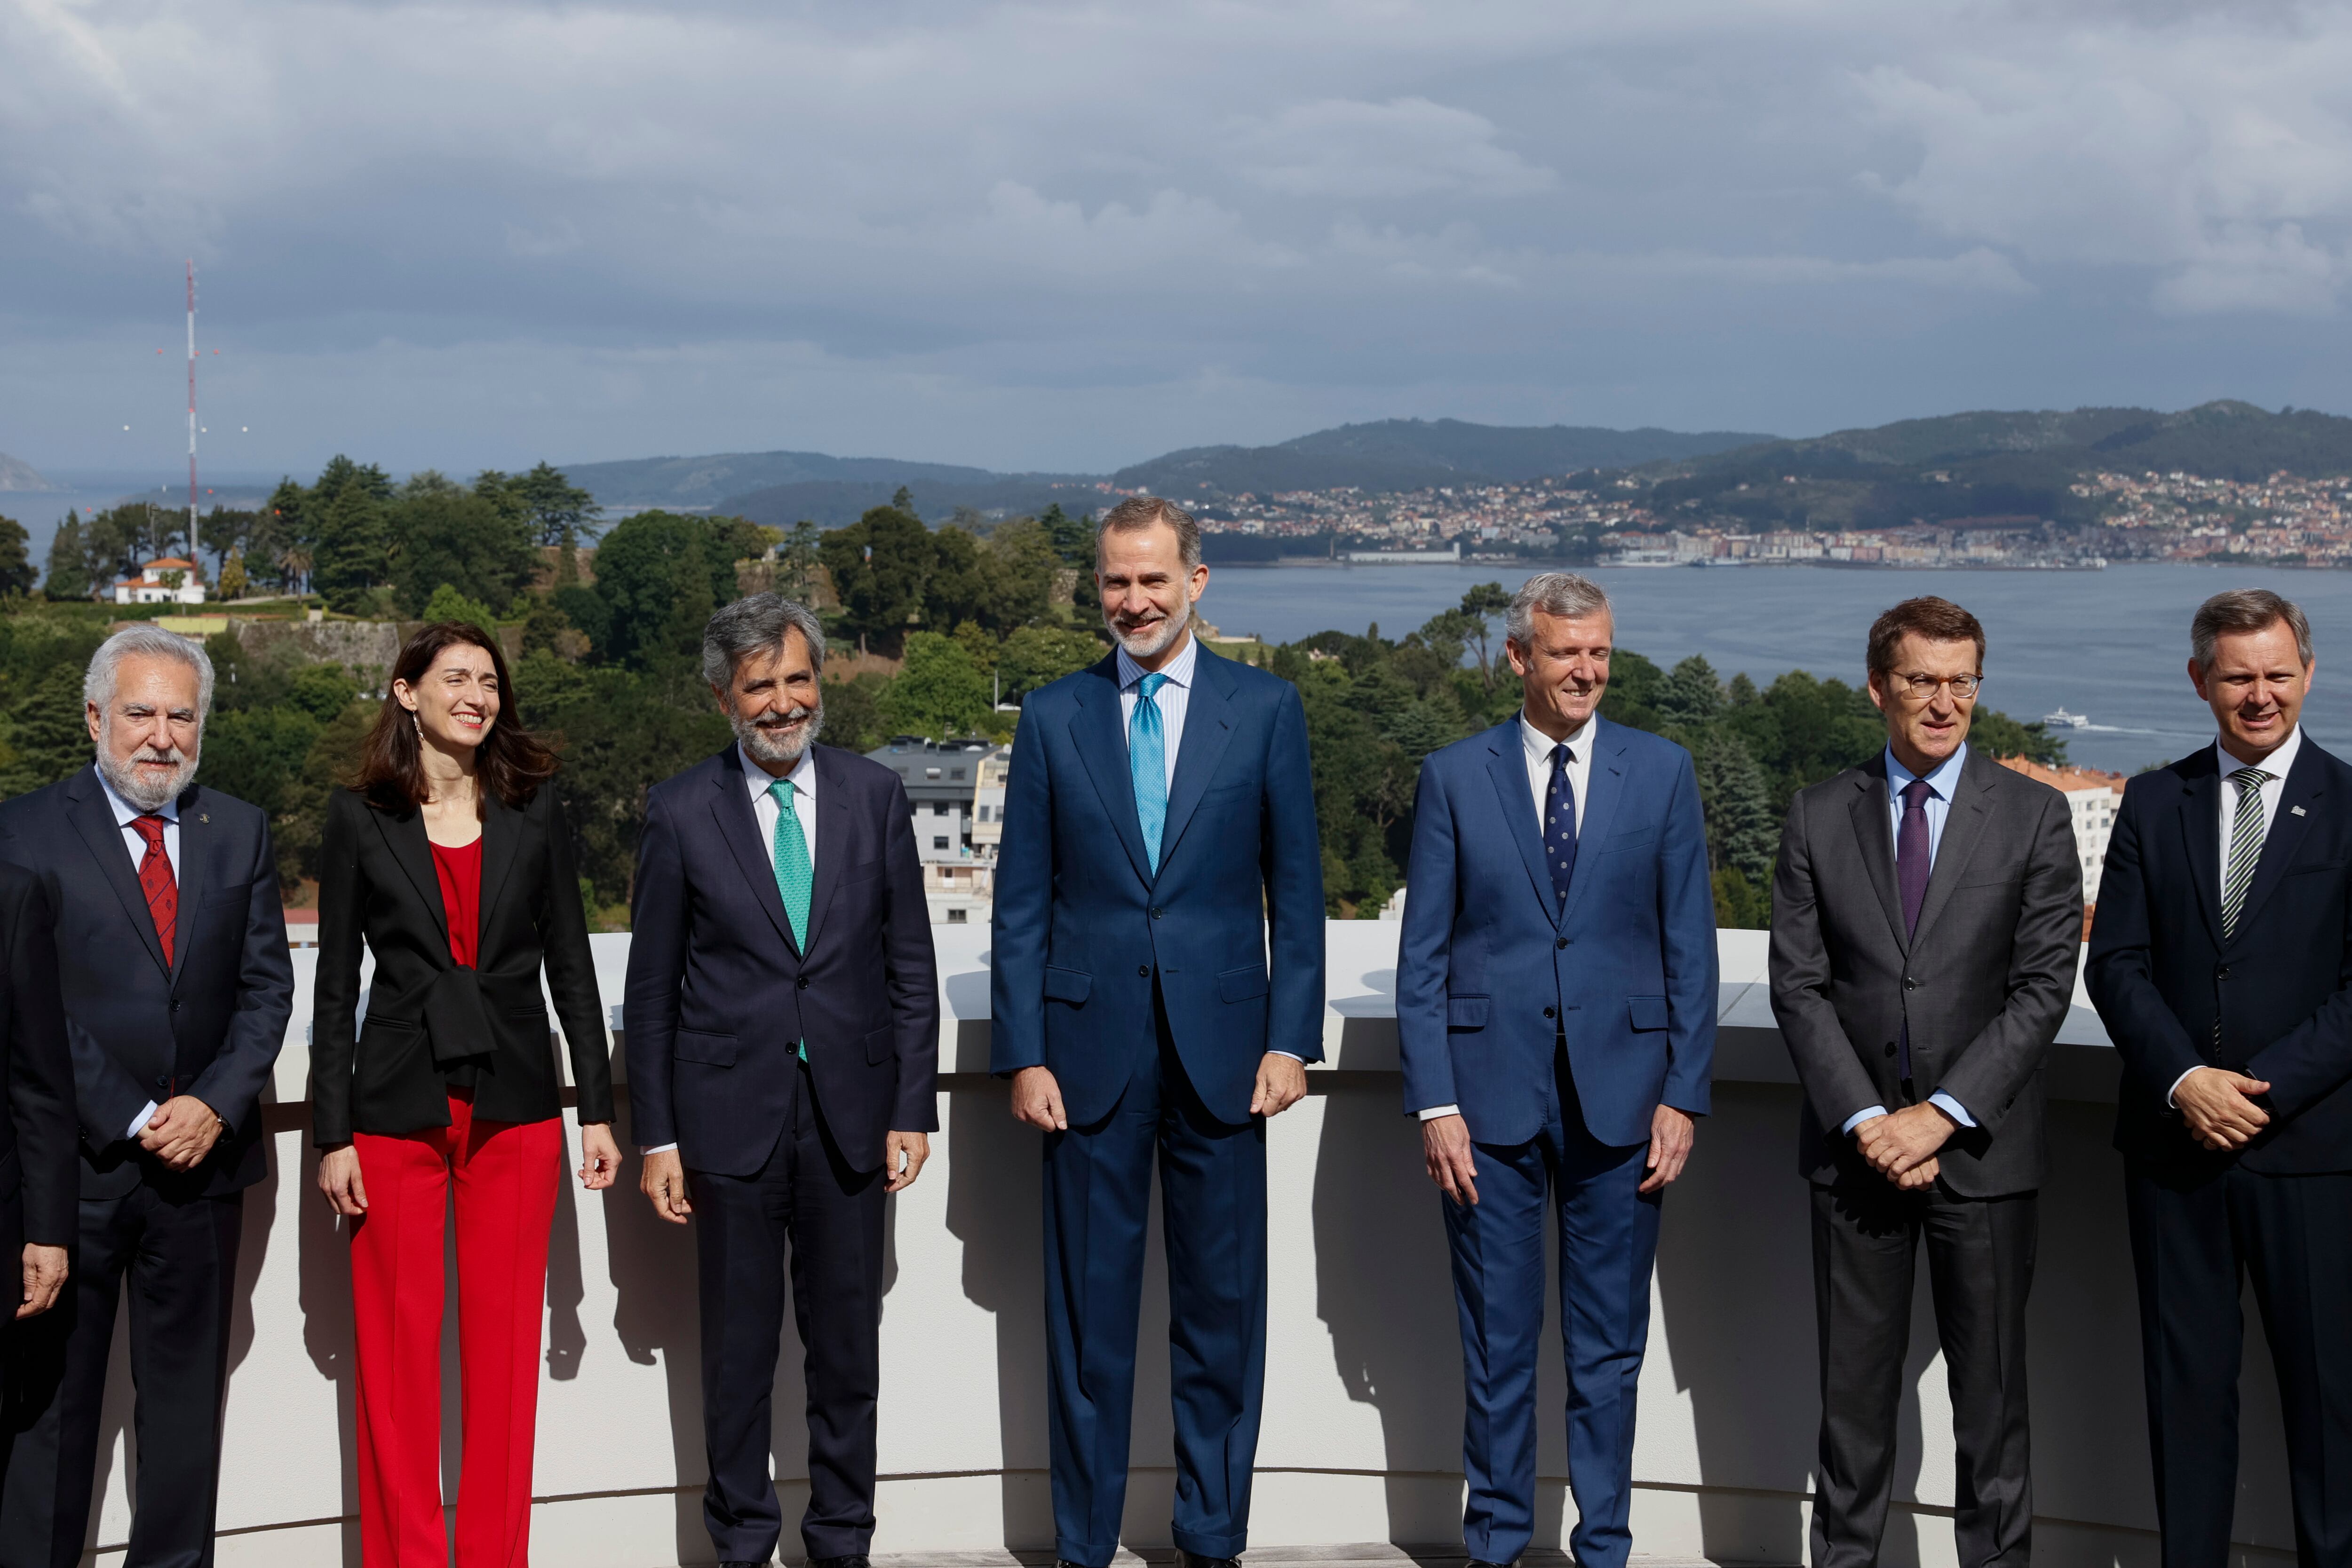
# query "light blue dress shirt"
(1174, 695)
(1942, 781)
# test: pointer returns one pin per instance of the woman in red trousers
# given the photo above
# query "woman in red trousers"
(448, 856)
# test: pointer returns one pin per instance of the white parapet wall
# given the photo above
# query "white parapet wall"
(1362, 1435)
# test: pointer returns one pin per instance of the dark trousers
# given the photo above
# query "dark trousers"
(1866, 1237)
(1608, 1243)
(180, 1255)
(808, 1211)
(2197, 1233)
(1097, 1208)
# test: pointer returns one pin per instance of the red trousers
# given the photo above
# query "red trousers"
(506, 1174)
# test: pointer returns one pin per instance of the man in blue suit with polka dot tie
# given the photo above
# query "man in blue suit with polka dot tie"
(1157, 990)
(1556, 989)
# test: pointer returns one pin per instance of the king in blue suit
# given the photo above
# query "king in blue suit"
(1159, 844)
(1556, 991)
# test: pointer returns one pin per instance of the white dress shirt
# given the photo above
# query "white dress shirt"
(123, 812)
(764, 811)
(2273, 789)
(1942, 781)
(1174, 696)
(1537, 747)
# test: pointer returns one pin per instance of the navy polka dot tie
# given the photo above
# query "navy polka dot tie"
(1559, 824)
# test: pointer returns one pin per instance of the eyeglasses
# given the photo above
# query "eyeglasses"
(1922, 687)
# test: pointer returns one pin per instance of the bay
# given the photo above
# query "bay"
(2112, 644)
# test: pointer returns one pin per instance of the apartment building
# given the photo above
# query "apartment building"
(2093, 797)
(943, 782)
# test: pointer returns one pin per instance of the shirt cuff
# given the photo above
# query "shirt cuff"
(1278, 1050)
(139, 1122)
(1867, 1114)
(1435, 1112)
(1952, 1108)
(657, 1149)
(2175, 1088)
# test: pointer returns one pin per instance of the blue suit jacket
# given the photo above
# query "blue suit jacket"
(1082, 925)
(209, 1023)
(1488, 974)
(717, 991)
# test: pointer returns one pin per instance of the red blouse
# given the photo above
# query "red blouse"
(460, 873)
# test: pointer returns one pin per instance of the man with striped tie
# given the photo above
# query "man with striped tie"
(1159, 844)
(1556, 982)
(781, 1017)
(2221, 963)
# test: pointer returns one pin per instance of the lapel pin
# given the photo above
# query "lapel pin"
(206, 816)
(2296, 809)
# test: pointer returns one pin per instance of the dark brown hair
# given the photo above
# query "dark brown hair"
(510, 762)
(1140, 512)
(2242, 610)
(1937, 619)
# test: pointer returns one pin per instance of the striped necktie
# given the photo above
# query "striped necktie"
(2245, 847)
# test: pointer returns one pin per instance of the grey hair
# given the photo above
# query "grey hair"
(1139, 512)
(2244, 610)
(756, 625)
(148, 640)
(1562, 593)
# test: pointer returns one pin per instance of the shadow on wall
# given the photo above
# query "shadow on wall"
(995, 1201)
(1384, 1289)
(325, 1248)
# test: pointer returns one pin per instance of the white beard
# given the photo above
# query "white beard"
(766, 746)
(1154, 641)
(138, 787)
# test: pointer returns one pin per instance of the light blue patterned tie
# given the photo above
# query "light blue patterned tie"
(793, 877)
(1146, 762)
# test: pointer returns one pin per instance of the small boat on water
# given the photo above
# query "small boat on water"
(2061, 719)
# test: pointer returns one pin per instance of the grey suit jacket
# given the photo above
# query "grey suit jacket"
(1984, 983)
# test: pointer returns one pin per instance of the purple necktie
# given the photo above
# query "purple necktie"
(1911, 866)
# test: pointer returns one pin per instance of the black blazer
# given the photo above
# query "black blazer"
(38, 1183)
(2162, 976)
(1984, 982)
(210, 1023)
(718, 991)
(376, 883)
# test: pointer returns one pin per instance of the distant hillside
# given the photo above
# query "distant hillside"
(1994, 465)
(16, 474)
(707, 481)
(1413, 454)
(829, 503)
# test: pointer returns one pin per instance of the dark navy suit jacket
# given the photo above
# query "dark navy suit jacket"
(38, 1179)
(1082, 925)
(2279, 990)
(1492, 967)
(718, 991)
(210, 1023)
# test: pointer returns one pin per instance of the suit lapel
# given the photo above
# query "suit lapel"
(1604, 786)
(2303, 787)
(832, 826)
(731, 804)
(1208, 730)
(195, 876)
(2200, 823)
(1507, 766)
(405, 835)
(1872, 837)
(1964, 820)
(501, 838)
(94, 818)
(1101, 741)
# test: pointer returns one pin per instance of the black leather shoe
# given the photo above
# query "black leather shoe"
(1482, 1562)
(1195, 1560)
(733, 1562)
(854, 1559)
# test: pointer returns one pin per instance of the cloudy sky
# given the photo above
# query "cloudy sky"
(1075, 236)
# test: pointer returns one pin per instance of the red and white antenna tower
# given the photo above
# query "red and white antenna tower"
(191, 411)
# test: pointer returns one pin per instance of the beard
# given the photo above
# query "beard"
(145, 789)
(779, 738)
(1151, 640)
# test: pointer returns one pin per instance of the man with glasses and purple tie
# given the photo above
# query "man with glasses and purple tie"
(1158, 845)
(1926, 915)
(1556, 982)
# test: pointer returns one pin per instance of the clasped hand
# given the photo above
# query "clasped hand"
(181, 1133)
(2219, 1106)
(1902, 1145)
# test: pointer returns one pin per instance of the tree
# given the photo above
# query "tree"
(16, 573)
(1690, 694)
(658, 575)
(453, 537)
(233, 583)
(355, 550)
(47, 733)
(939, 693)
(797, 563)
(448, 604)
(68, 573)
(1482, 605)
(880, 564)
(1034, 657)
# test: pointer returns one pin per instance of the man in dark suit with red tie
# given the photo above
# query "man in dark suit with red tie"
(2221, 964)
(177, 985)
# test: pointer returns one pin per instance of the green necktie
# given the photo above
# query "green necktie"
(793, 878)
